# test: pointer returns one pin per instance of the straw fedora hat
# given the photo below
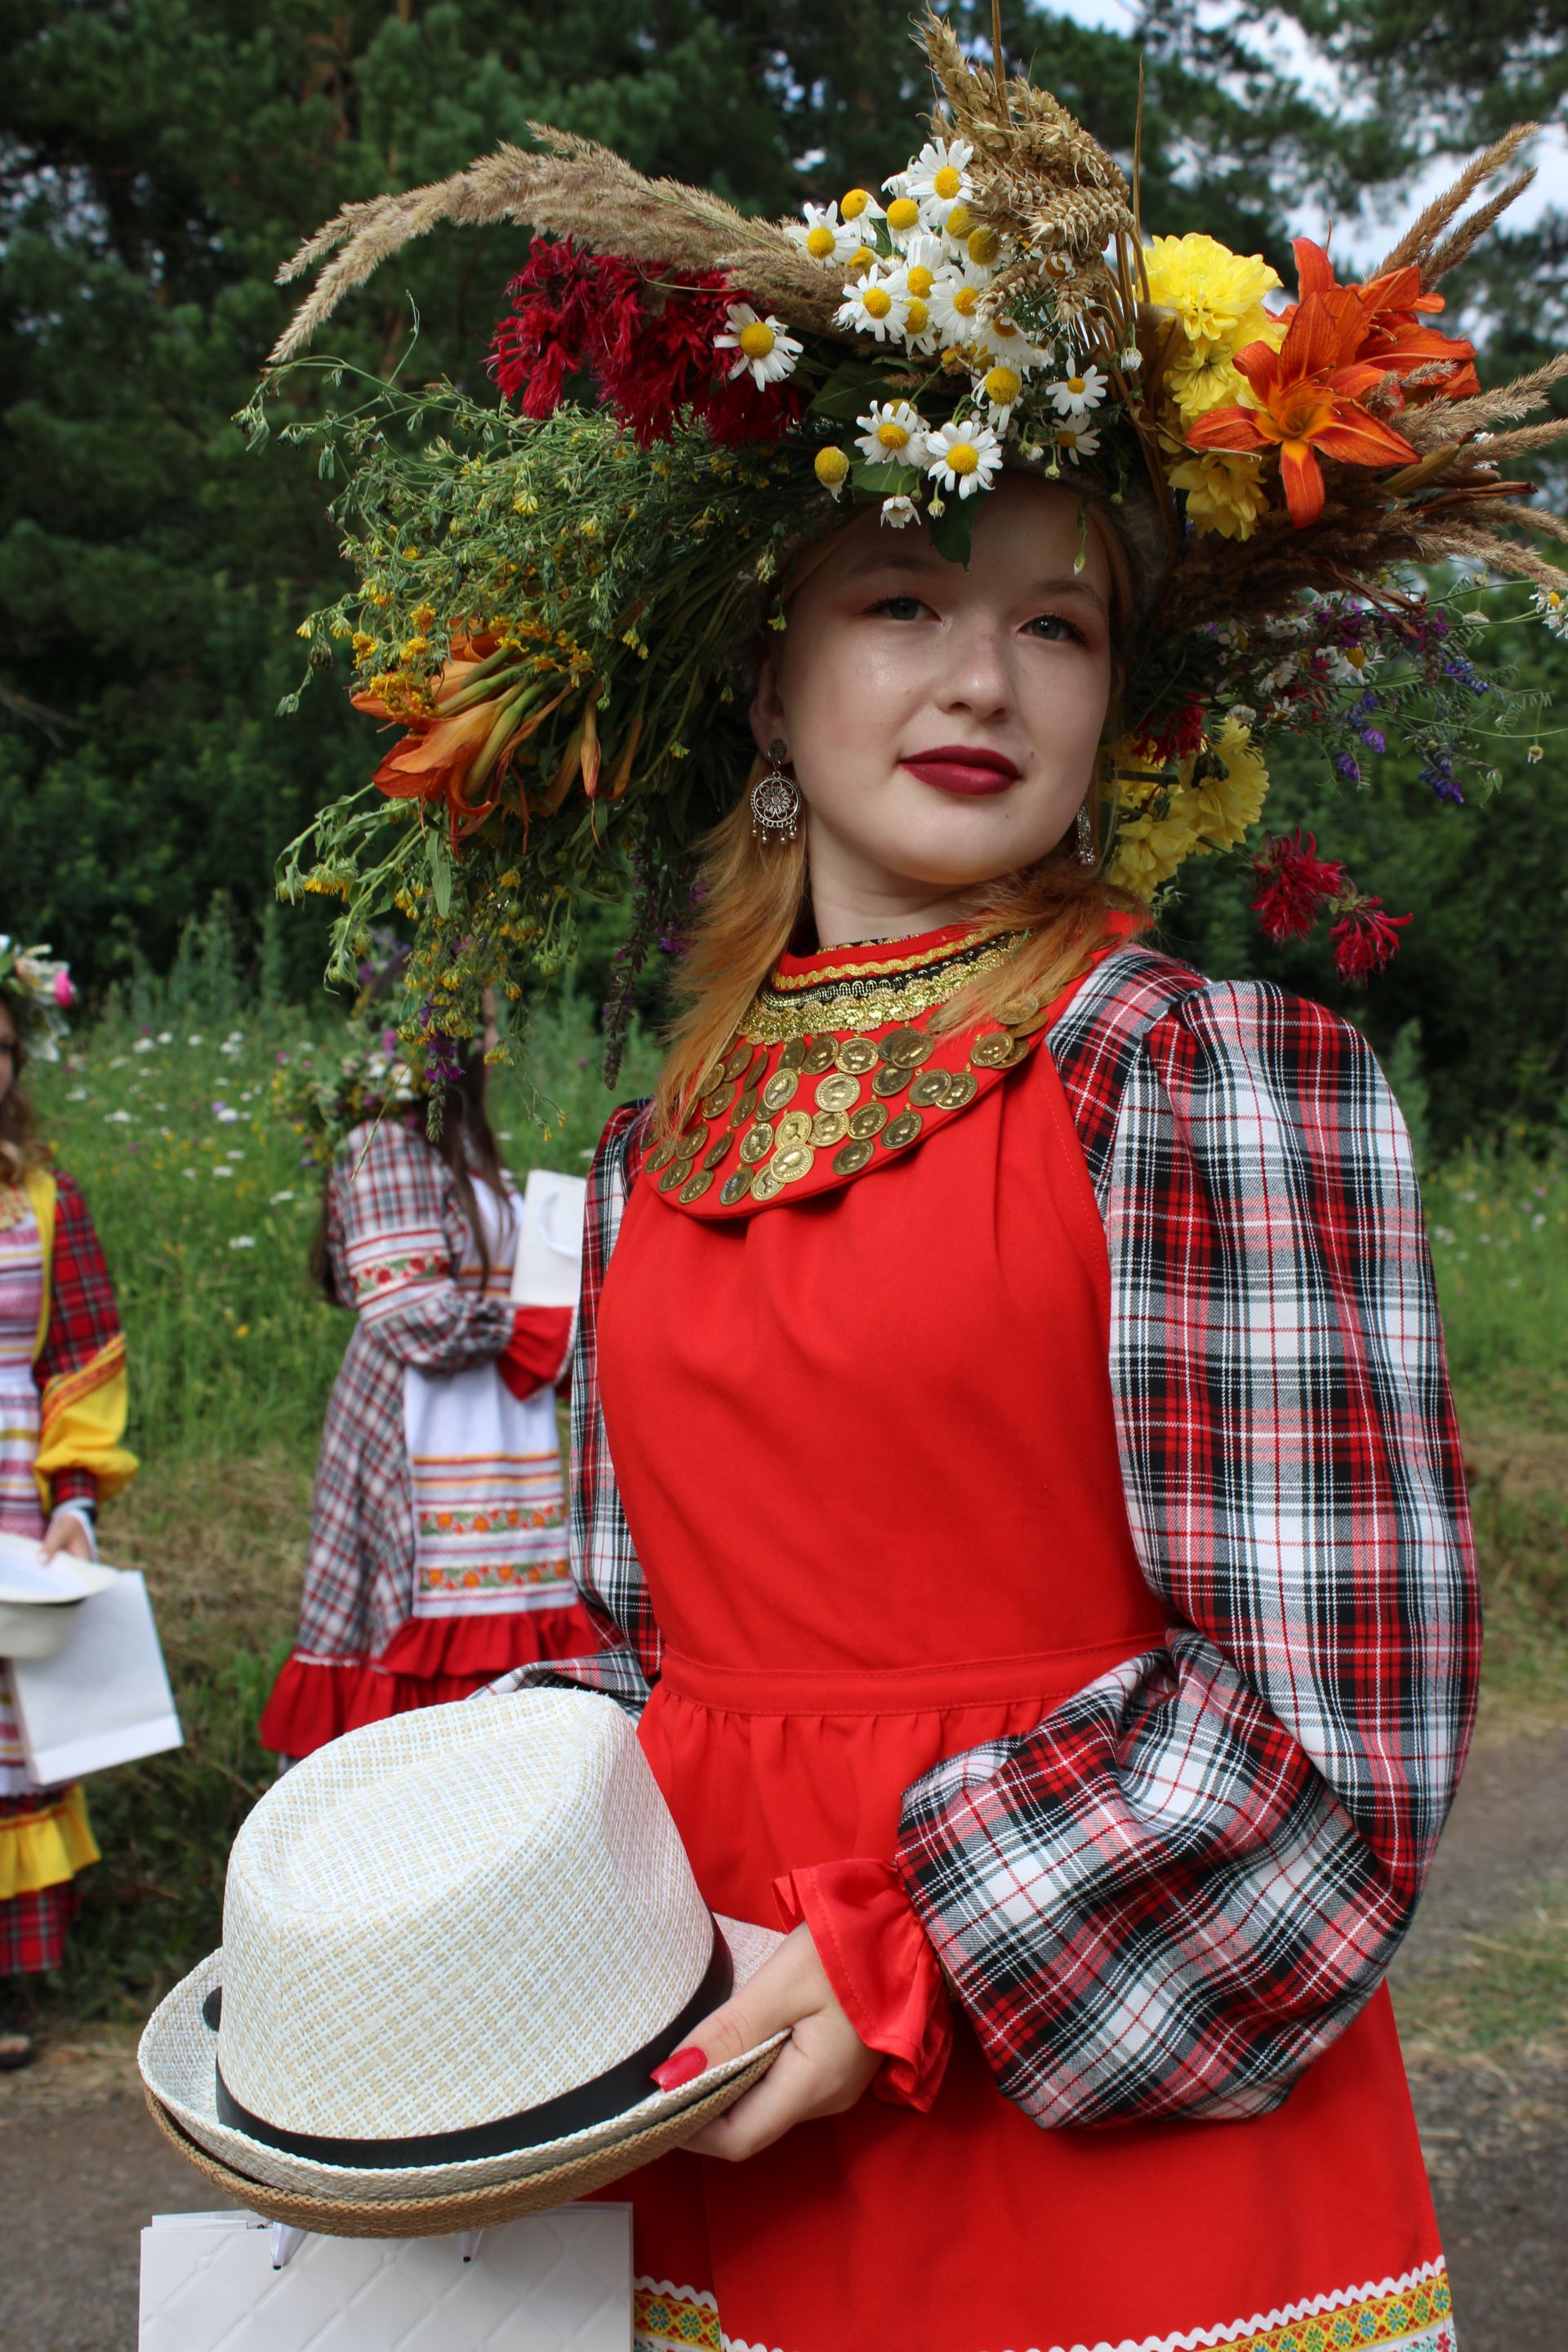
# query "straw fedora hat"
(456, 1944)
(39, 1598)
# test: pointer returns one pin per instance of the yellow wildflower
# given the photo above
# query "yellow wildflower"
(1216, 294)
(423, 616)
(1224, 491)
(1228, 805)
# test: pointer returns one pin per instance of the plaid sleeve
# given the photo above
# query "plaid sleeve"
(402, 1240)
(1171, 1894)
(605, 1563)
(84, 1345)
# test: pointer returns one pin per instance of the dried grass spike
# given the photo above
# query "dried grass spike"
(1417, 243)
(1460, 242)
(1502, 554)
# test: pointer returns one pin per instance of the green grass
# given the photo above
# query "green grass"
(1506, 1989)
(206, 1216)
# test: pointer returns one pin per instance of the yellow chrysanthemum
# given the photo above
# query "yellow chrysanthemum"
(1224, 491)
(1201, 380)
(1216, 294)
(1149, 849)
(1228, 806)
(1195, 817)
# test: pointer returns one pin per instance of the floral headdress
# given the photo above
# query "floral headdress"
(375, 1072)
(554, 597)
(41, 987)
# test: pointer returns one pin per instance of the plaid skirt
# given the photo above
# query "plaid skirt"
(33, 1925)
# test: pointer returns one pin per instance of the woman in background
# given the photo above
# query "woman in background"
(438, 1549)
(62, 1418)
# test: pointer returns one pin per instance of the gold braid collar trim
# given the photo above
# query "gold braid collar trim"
(869, 996)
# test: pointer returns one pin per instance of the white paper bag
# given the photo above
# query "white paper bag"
(548, 1269)
(558, 2282)
(103, 1698)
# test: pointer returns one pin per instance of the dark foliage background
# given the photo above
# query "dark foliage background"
(159, 158)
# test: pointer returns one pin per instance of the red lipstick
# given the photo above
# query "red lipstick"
(963, 768)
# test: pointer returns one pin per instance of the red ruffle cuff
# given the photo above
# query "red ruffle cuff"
(881, 1964)
(536, 1354)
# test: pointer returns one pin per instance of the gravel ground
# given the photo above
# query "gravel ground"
(81, 2166)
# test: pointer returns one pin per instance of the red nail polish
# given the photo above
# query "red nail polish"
(684, 2067)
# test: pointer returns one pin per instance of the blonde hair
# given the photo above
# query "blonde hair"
(749, 894)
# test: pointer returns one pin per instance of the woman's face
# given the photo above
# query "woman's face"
(7, 1051)
(943, 723)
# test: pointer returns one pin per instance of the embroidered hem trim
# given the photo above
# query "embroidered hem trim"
(1410, 2314)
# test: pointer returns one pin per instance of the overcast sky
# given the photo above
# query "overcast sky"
(1280, 41)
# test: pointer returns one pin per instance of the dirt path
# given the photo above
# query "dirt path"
(81, 2166)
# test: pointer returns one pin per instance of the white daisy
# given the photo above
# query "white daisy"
(939, 173)
(899, 513)
(871, 306)
(1006, 345)
(860, 206)
(823, 234)
(763, 347)
(924, 258)
(893, 433)
(1076, 441)
(1351, 665)
(1075, 395)
(1001, 386)
(963, 458)
(953, 222)
(955, 303)
(1553, 607)
(903, 219)
(919, 331)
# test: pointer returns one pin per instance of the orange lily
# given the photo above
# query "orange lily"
(1307, 396)
(1393, 306)
(433, 761)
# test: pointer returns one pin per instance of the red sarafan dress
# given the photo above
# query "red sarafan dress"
(910, 1675)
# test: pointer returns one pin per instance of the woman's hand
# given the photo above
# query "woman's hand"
(821, 2069)
(67, 1533)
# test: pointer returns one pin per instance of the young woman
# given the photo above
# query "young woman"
(437, 1551)
(62, 1419)
(1023, 1497)
(1016, 1483)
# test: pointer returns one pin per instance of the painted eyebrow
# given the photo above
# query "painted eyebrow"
(896, 559)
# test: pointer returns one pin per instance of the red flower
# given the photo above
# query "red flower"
(1307, 396)
(1179, 735)
(1365, 939)
(655, 355)
(647, 340)
(555, 311)
(1296, 883)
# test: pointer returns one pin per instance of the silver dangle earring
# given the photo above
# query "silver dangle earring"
(776, 799)
(1084, 836)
